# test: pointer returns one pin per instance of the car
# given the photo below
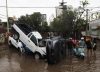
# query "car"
(28, 41)
(16, 43)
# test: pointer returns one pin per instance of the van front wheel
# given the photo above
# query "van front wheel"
(9, 43)
(37, 56)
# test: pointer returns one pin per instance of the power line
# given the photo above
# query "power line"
(2, 6)
(31, 7)
(28, 7)
(2, 15)
(98, 11)
(43, 7)
(40, 7)
(92, 7)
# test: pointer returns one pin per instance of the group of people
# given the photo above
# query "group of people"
(79, 45)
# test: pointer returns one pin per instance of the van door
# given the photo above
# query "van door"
(14, 42)
(32, 43)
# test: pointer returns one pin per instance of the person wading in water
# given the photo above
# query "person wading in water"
(89, 46)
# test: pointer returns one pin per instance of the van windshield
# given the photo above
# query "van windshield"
(41, 43)
(33, 39)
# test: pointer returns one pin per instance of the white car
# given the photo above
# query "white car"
(15, 43)
(32, 42)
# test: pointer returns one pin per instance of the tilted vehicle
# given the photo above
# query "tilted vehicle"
(27, 40)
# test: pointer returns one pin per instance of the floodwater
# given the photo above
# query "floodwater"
(12, 61)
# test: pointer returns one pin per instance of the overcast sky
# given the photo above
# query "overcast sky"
(38, 3)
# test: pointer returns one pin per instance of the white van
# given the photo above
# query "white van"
(29, 42)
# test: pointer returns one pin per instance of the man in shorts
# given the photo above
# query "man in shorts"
(89, 46)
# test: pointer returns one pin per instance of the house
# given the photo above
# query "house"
(94, 28)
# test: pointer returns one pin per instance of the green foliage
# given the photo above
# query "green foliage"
(22, 20)
(68, 18)
(64, 23)
(80, 24)
(45, 27)
(84, 3)
(56, 25)
(34, 20)
(10, 21)
(68, 23)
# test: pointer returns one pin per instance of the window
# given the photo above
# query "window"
(29, 34)
(34, 40)
(42, 43)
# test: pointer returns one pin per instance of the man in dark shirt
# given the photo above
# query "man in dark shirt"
(70, 46)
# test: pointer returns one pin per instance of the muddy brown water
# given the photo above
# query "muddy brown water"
(12, 61)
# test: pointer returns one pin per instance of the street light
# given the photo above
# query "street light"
(7, 16)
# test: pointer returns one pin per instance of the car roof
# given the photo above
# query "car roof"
(37, 34)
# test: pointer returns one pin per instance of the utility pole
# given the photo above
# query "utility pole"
(62, 4)
(62, 7)
(7, 16)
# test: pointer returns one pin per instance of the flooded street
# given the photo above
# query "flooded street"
(12, 61)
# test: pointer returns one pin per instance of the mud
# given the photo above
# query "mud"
(11, 60)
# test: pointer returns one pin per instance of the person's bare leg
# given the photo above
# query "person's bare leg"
(87, 52)
(88, 55)
(94, 54)
(91, 53)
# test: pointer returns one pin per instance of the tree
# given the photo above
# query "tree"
(67, 20)
(22, 20)
(34, 20)
(55, 25)
(45, 27)
(82, 7)
(84, 3)
(10, 21)
(64, 23)
(80, 24)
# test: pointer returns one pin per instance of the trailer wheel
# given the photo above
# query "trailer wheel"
(37, 56)
(22, 50)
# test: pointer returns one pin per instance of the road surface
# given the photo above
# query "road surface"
(12, 61)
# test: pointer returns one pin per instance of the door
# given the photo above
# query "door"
(14, 42)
